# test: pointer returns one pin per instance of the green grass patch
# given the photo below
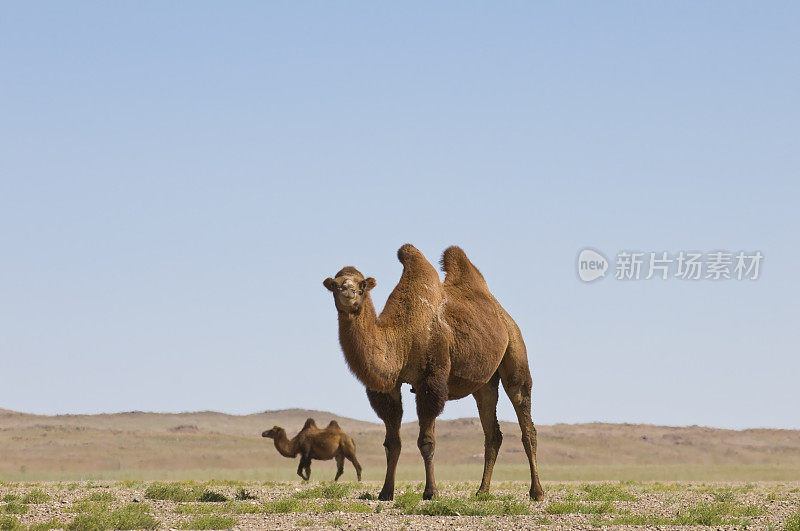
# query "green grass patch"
(53, 523)
(221, 508)
(88, 506)
(171, 492)
(36, 496)
(242, 494)
(131, 516)
(367, 496)
(606, 492)
(103, 497)
(304, 522)
(10, 523)
(211, 496)
(209, 522)
(336, 522)
(14, 507)
(792, 523)
(328, 491)
(10, 497)
(407, 501)
(709, 514)
(662, 487)
(573, 507)
(411, 503)
(357, 507)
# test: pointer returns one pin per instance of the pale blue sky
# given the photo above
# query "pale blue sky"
(176, 180)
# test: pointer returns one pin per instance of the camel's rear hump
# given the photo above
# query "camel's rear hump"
(459, 269)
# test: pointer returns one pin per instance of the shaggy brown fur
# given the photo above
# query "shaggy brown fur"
(448, 340)
(314, 443)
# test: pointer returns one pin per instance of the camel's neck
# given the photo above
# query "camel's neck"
(284, 446)
(367, 349)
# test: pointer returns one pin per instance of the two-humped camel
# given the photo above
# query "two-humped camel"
(448, 340)
(315, 443)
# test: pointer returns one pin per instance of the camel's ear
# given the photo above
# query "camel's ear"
(368, 283)
(329, 283)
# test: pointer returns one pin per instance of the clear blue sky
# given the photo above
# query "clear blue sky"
(177, 179)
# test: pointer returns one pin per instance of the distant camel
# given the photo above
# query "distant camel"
(448, 340)
(314, 443)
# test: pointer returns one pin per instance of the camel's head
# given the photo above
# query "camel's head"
(349, 289)
(273, 433)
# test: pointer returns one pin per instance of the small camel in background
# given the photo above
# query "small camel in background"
(315, 443)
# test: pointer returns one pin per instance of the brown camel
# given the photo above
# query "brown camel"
(448, 340)
(314, 443)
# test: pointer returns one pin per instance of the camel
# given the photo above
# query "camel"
(315, 443)
(448, 340)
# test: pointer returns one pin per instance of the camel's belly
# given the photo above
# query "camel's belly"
(459, 387)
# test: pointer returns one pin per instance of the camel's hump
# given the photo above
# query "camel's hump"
(309, 423)
(455, 263)
(333, 424)
(407, 252)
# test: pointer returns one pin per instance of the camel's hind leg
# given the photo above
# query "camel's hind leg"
(339, 465)
(516, 377)
(389, 407)
(486, 398)
(348, 449)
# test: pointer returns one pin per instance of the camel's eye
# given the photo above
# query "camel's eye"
(361, 292)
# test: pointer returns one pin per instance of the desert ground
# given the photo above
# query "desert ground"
(213, 471)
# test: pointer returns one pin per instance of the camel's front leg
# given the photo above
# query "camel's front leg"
(431, 397)
(304, 466)
(389, 407)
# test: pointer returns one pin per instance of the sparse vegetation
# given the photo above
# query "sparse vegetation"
(14, 507)
(10, 523)
(242, 494)
(131, 516)
(286, 505)
(36, 496)
(593, 504)
(573, 507)
(328, 490)
(793, 522)
(210, 496)
(209, 522)
(606, 492)
(172, 492)
(53, 523)
(105, 496)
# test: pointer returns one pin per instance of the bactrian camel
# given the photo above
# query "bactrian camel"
(314, 443)
(448, 340)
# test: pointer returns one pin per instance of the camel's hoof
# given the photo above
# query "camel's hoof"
(386, 495)
(430, 494)
(537, 494)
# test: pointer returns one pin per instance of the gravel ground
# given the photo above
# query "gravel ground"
(761, 505)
